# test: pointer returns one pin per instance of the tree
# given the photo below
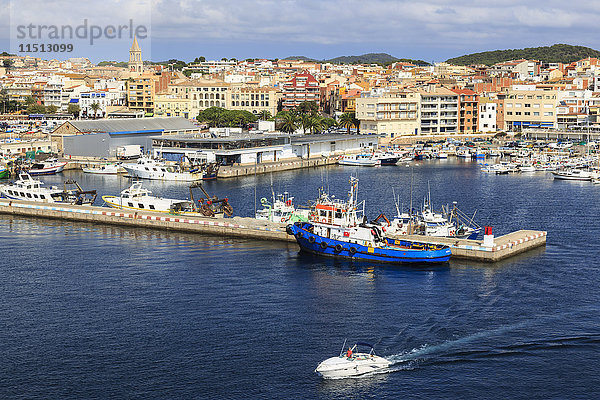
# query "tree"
(264, 115)
(74, 109)
(288, 122)
(346, 121)
(199, 59)
(36, 109)
(7, 64)
(95, 107)
(51, 109)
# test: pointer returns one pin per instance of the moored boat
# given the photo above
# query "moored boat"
(103, 169)
(149, 168)
(573, 175)
(140, 199)
(362, 160)
(281, 210)
(335, 230)
(50, 166)
(29, 189)
(4, 172)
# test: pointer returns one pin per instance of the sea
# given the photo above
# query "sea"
(90, 311)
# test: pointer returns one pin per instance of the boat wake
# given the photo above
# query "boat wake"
(465, 349)
(452, 349)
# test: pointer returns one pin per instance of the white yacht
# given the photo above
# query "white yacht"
(29, 189)
(149, 168)
(352, 363)
(363, 160)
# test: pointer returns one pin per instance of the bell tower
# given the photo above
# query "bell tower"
(136, 66)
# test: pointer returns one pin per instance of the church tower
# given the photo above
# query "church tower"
(136, 66)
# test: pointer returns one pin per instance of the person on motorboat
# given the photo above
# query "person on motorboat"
(349, 353)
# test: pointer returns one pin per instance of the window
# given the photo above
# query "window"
(536, 114)
(509, 113)
(527, 105)
(527, 113)
(548, 106)
(140, 205)
(518, 113)
(151, 206)
(518, 105)
(548, 114)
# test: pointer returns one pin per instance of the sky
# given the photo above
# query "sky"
(431, 30)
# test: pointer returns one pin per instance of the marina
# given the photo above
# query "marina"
(501, 247)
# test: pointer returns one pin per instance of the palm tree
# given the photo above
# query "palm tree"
(264, 115)
(347, 120)
(95, 107)
(288, 122)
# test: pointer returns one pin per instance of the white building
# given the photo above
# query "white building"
(488, 117)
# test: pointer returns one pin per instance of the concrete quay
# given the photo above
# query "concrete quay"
(228, 171)
(249, 228)
(503, 246)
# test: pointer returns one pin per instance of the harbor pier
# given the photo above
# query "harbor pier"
(249, 228)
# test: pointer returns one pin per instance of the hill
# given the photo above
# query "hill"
(562, 53)
(369, 58)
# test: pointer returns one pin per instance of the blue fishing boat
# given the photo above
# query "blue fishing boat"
(335, 229)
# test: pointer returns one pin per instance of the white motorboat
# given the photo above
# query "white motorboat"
(149, 168)
(103, 169)
(352, 363)
(29, 189)
(526, 168)
(363, 160)
(573, 175)
(50, 166)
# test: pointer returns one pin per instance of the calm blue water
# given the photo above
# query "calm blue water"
(91, 311)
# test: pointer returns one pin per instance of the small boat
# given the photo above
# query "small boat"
(573, 175)
(29, 189)
(103, 169)
(335, 230)
(526, 168)
(441, 155)
(50, 166)
(281, 210)
(352, 363)
(386, 158)
(4, 173)
(363, 160)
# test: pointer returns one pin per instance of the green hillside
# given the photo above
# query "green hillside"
(369, 58)
(562, 53)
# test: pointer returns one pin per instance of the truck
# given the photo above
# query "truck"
(129, 152)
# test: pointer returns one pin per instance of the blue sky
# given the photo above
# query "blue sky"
(433, 30)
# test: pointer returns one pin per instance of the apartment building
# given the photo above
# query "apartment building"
(438, 110)
(468, 106)
(302, 87)
(389, 113)
(140, 94)
(527, 106)
(202, 94)
(169, 105)
(573, 107)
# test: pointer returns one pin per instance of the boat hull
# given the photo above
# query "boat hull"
(163, 176)
(343, 367)
(48, 171)
(394, 251)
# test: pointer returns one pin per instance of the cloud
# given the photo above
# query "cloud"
(432, 25)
